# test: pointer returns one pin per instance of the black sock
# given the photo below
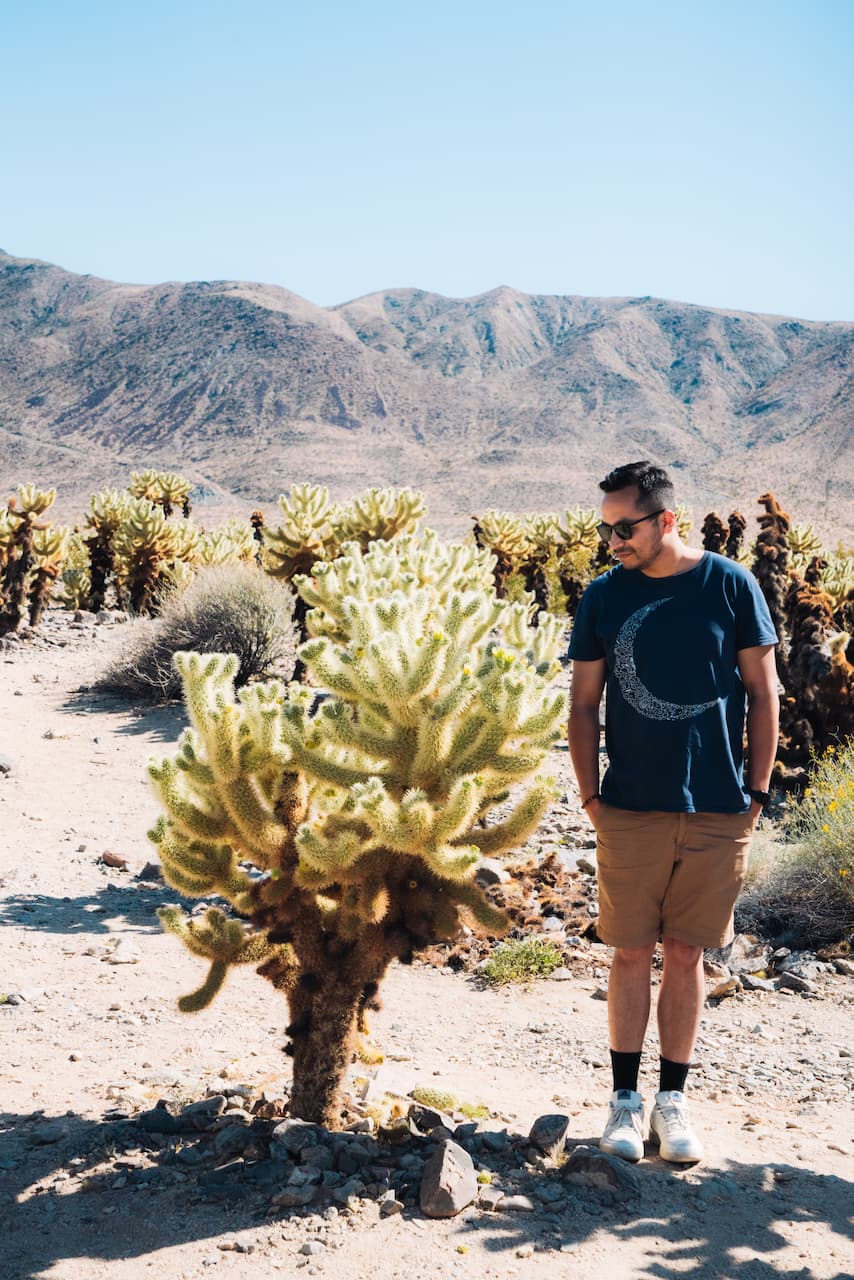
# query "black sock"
(672, 1075)
(625, 1067)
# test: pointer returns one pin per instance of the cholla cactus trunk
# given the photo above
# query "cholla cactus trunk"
(143, 581)
(737, 526)
(771, 569)
(533, 572)
(362, 815)
(39, 595)
(714, 533)
(819, 708)
(15, 578)
(503, 568)
(186, 508)
(100, 569)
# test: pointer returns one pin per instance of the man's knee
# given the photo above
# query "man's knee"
(634, 957)
(684, 954)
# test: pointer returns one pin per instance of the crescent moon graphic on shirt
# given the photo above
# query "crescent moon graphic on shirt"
(632, 687)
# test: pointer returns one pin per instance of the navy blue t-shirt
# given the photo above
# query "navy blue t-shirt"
(675, 704)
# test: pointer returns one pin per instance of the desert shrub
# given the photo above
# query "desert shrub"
(234, 608)
(805, 894)
(520, 960)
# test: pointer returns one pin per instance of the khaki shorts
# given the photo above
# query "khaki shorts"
(669, 874)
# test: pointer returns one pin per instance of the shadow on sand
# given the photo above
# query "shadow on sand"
(72, 1188)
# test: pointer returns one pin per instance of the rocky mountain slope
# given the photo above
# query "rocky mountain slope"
(503, 399)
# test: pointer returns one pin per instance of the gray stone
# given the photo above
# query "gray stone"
(449, 1183)
(318, 1157)
(295, 1197)
(845, 967)
(390, 1206)
(424, 1118)
(313, 1247)
(756, 984)
(744, 954)
(794, 982)
(200, 1114)
(517, 1204)
(49, 1132)
(587, 1166)
(494, 1139)
(490, 1198)
(232, 1139)
(293, 1136)
(7, 764)
(548, 1132)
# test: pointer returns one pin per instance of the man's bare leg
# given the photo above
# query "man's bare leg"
(629, 997)
(680, 999)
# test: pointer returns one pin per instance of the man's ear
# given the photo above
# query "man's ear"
(669, 520)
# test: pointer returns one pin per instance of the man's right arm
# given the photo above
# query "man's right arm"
(588, 682)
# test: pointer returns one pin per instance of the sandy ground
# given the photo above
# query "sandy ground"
(87, 1040)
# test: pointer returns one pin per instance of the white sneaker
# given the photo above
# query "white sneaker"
(670, 1127)
(623, 1134)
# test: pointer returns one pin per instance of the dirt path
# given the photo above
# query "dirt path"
(92, 1037)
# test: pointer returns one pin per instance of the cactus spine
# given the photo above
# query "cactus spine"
(363, 819)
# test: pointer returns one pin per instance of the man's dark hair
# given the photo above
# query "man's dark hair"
(653, 483)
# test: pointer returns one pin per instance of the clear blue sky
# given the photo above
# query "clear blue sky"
(699, 150)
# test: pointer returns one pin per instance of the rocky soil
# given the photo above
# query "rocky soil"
(134, 1139)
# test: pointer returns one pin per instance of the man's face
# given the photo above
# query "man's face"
(643, 548)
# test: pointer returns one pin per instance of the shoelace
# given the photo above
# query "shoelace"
(622, 1115)
(674, 1118)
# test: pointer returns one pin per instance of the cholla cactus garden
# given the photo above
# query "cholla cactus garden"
(347, 836)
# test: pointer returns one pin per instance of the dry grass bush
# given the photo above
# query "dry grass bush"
(803, 892)
(233, 608)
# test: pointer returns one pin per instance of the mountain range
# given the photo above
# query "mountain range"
(506, 399)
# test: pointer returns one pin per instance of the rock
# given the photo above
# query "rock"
(729, 988)
(7, 764)
(525, 1251)
(601, 993)
(548, 1132)
(389, 1206)
(745, 954)
(490, 1198)
(312, 1248)
(845, 967)
(552, 924)
(161, 1120)
(491, 871)
(712, 969)
(750, 983)
(449, 1183)
(198, 1115)
(494, 1139)
(293, 1136)
(585, 864)
(151, 871)
(114, 860)
(561, 974)
(517, 1204)
(295, 1197)
(424, 1118)
(794, 982)
(51, 1131)
(589, 1167)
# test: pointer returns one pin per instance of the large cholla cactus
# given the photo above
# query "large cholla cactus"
(18, 527)
(167, 489)
(363, 818)
(149, 550)
(107, 510)
(377, 516)
(50, 547)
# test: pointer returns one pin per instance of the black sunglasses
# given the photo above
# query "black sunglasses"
(624, 528)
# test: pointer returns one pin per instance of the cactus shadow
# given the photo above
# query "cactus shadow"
(107, 1191)
(89, 914)
(163, 722)
(742, 1221)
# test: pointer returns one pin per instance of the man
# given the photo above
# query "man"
(684, 641)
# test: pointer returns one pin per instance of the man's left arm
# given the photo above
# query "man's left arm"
(758, 672)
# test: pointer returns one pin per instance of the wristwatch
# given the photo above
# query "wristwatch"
(761, 797)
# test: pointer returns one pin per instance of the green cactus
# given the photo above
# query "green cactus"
(108, 508)
(377, 516)
(365, 819)
(17, 532)
(149, 553)
(50, 547)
